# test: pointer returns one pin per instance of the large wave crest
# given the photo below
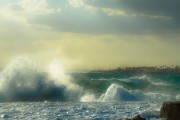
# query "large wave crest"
(23, 80)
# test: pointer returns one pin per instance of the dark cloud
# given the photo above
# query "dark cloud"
(154, 7)
(83, 22)
(143, 16)
(151, 7)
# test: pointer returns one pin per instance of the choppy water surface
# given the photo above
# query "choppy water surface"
(24, 86)
(77, 111)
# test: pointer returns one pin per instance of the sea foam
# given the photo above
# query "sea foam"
(116, 93)
(23, 80)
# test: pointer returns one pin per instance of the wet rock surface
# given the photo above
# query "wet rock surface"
(170, 110)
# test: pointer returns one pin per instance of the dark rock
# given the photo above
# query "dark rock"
(170, 110)
(138, 117)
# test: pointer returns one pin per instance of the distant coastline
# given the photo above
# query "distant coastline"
(136, 70)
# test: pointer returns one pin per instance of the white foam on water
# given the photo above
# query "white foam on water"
(78, 110)
(116, 93)
(23, 80)
(119, 93)
(88, 98)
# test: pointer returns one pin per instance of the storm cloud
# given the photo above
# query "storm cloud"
(99, 16)
(141, 17)
(150, 7)
(87, 34)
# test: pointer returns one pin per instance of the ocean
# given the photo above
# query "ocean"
(28, 92)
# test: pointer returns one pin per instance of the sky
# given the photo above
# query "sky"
(91, 34)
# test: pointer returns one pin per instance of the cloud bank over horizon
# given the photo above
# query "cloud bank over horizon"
(97, 16)
(91, 33)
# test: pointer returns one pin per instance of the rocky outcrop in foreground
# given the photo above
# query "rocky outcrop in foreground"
(170, 110)
(138, 117)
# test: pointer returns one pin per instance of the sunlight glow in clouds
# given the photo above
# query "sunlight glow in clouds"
(36, 7)
(76, 3)
(89, 34)
(24, 9)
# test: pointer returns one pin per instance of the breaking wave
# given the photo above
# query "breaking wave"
(114, 87)
(24, 80)
(118, 93)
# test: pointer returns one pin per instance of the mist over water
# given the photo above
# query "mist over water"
(115, 87)
(24, 80)
(52, 93)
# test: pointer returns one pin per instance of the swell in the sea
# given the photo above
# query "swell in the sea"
(23, 80)
(127, 87)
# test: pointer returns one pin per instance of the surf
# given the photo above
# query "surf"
(24, 80)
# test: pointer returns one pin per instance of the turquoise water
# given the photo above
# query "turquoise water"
(28, 91)
(77, 110)
(131, 87)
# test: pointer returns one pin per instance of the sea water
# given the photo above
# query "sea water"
(77, 110)
(30, 92)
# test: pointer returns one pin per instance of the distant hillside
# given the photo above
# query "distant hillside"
(161, 69)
